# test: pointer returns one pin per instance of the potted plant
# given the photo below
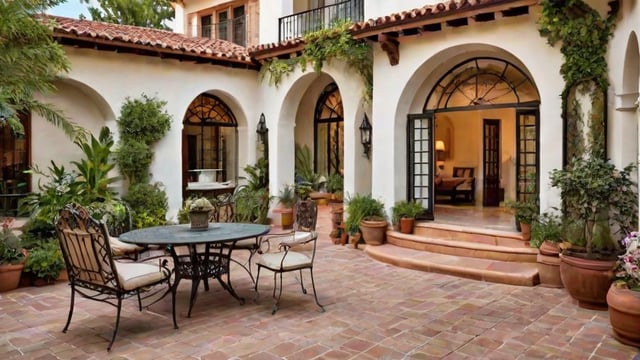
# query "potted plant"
(287, 198)
(45, 262)
(546, 233)
(623, 296)
(404, 213)
(335, 186)
(366, 216)
(12, 257)
(199, 210)
(525, 213)
(597, 198)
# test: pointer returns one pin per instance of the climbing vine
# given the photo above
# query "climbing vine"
(584, 35)
(323, 46)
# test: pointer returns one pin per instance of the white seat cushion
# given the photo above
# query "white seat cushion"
(293, 260)
(120, 248)
(246, 244)
(134, 275)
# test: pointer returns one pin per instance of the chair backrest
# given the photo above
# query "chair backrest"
(223, 208)
(463, 172)
(85, 247)
(306, 215)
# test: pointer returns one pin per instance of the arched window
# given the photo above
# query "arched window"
(329, 130)
(209, 126)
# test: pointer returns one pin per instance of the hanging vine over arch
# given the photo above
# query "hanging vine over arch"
(323, 46)
(584, 36)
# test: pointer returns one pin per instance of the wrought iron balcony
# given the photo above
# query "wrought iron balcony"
(297, 25)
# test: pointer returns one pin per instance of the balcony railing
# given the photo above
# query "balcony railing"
(297, 25)
(233, 30)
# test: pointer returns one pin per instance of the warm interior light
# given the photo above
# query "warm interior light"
(440, 145)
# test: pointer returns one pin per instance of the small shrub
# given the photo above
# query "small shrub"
(45, 261)
(148, 204)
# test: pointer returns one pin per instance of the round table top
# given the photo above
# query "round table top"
(183, 234)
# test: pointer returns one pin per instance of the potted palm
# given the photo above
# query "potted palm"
(404, 213)
(366, 216)
(597, 199)
(12, 257)
(287, 198)
(623, 296)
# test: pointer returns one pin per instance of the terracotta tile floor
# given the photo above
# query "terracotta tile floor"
(374, 311)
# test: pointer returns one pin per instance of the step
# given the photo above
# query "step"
(487, 236)
(456, 243)
(505, 272)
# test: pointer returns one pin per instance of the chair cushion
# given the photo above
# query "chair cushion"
(134, 275)
(120, 248)
(246, 244)
(292, 261)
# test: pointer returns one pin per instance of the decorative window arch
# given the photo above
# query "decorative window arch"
(210, 139)
(482, 81)
(329, 131)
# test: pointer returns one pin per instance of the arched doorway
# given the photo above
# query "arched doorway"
(209, 142)
(329, 132)
(480, 128)
(14, 161)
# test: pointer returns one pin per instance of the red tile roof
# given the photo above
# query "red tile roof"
(151, 41)
(442, 11)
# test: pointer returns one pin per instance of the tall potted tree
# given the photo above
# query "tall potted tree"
(598, 200)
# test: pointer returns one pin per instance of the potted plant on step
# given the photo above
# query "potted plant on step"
(597, 200)
(546, 233)
(12, 257)
(623, 296)
(404, 213)
(525, 213)
(366, 216)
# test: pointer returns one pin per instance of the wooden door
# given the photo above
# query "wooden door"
(491, 163)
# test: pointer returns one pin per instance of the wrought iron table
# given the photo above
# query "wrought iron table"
(206, 257)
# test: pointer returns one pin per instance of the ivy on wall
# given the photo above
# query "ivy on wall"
(323, 46)
(583, 35)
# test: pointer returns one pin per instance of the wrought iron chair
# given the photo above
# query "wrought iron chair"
(295, 250)
(95, 274)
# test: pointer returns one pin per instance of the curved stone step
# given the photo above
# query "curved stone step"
(517, 252)
(505, 272)
(469, 234)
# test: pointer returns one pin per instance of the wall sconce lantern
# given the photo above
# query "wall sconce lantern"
(365, 135)
(262, 127)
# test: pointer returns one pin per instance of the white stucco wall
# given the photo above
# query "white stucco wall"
(402, 89)
(113, 77)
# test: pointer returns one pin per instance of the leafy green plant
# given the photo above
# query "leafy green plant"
(599, 197)
(323, 46)
(134, 159)
(148, 204)
(257, 174)
(405, 209)
(252, 205)
(525, 212)
(287, 195)
(95, 166)
(115, 213)
(144, 119)
(335, 183)
(10, 246)
(547, 227)
(45, 261)
(361, 207)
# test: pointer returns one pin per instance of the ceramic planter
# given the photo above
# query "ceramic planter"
(10, 276)
(406, 225)
(624, 314)
(525, 230)
(373, 231)
(199, 219)
(548, 262)
(587, 280)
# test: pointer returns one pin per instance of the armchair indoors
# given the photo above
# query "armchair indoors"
(292, 251)
(95, 274)
(462, 184)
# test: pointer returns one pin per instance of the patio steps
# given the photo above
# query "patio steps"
(475, 253)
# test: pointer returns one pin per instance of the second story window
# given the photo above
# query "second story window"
(205, 30)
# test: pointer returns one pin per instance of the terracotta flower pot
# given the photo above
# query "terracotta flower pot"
(525, 229)
(373, 231)
(587, 280)
(624, 314)
(10, 276)
(406, 225)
